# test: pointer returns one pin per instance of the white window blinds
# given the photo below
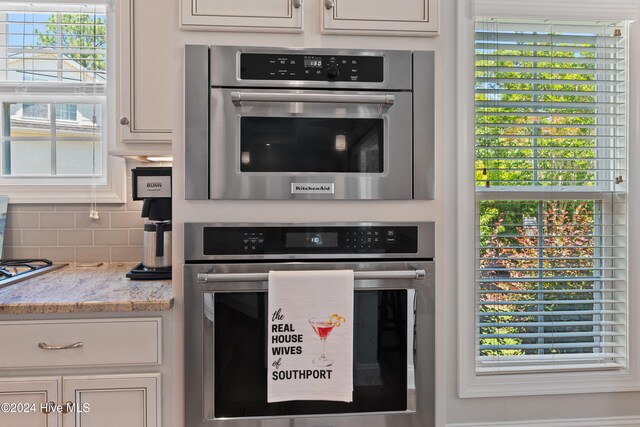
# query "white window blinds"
(46, 42)
(551, 206)
(53, 77)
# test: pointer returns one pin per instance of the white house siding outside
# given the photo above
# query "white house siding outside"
(77, 140)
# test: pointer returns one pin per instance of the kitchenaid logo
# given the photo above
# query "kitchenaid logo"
(312, 188)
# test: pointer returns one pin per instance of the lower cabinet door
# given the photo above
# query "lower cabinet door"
(111, 401)
(29, 402)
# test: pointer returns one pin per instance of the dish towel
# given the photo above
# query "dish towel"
(310, 339)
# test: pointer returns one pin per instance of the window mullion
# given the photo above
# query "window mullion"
(540, 295)
(536, 129)
(54, 137)
(59, 48)
(6, 144)
(599, 262)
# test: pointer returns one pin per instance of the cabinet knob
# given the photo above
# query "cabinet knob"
(124, 121)
(296, 3)
(329, 4)
(67, 407)
(48, 407)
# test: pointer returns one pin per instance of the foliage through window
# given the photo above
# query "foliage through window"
(53, 78)
(550, 194)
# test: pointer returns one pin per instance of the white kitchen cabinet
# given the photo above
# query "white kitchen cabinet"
(130, 400)
(388, 17)
(408, 17)
(56, 360)
(108, 401)
(25, 399)
(98, 342)
(260, 15)
(144, 75)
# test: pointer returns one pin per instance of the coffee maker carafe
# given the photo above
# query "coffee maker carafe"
(153, 186)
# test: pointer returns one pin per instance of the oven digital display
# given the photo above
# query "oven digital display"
(311, 240)
(313, 63)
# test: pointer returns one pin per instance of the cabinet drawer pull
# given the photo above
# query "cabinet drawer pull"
(296, 3)
(46, 346)
(329, 4)
(124, 121)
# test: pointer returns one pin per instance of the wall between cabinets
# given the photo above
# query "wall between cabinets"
(65, 233)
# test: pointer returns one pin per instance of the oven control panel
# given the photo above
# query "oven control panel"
(262, 66)
(310, 240)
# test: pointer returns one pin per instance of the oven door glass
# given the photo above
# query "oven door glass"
(350, 145)
(235, 356)
(353, 145)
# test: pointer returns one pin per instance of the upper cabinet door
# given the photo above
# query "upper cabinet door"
(260, 15)
(391, 17)
(145, 57)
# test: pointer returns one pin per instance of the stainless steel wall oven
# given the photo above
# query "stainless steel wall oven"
(276, 123)
(225, 286)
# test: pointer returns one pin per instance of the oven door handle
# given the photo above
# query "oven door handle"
(417, 274)
(239, 97)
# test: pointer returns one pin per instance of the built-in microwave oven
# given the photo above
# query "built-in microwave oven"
(275, 123)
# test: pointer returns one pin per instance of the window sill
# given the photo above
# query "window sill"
(547, 383)
(112, 191)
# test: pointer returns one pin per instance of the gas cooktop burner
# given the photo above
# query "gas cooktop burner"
(15, 270)
(14, 264)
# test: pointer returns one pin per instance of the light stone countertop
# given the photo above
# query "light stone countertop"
(74, 289)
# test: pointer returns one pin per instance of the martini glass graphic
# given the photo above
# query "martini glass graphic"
(323, 328)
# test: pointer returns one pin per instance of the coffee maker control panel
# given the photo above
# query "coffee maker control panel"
(151, 183)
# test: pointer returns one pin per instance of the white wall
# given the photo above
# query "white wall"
(450, 409)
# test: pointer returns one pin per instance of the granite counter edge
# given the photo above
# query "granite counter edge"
(86, 307)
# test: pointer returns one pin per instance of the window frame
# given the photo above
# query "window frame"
(110, 187)
(536, 184)
(550, 381)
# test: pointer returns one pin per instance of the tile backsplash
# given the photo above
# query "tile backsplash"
(65, 233)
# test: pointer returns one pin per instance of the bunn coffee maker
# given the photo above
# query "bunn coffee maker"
(153, 186)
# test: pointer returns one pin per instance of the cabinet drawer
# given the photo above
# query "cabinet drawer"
(103, 343)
